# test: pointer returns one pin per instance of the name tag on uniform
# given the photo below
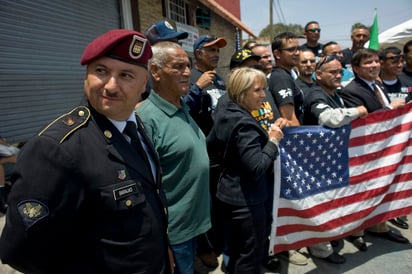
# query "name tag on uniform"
(124, 191)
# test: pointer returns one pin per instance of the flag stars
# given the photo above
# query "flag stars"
(312, 161)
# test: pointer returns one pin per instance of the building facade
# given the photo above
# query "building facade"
(42, 41)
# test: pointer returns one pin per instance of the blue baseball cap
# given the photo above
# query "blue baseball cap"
(208, 41)
(163, 31)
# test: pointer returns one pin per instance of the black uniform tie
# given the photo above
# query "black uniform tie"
(131, 131)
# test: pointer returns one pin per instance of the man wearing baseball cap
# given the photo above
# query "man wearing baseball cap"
(206, 87)
(157, 32)
(244, 58)
(163, 31)
(87, 194)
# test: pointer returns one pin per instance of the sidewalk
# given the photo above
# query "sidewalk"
(383, 256)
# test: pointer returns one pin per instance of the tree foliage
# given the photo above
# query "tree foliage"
(279, 27)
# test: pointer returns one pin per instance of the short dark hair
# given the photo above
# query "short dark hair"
(250, 44)
(358, 26)
(406, 47)
(328, 44)
(362, 54)
(385, 51)
(309, 23)
(278, 40)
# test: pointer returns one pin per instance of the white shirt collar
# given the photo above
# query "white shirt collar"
(120, 125)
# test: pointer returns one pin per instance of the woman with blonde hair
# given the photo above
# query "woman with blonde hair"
(246, 153)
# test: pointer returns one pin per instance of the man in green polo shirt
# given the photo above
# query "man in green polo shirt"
(182, 151)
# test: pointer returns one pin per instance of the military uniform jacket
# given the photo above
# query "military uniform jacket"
(83, 201)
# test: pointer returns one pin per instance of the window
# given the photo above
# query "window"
(203, 17)
(176, 10)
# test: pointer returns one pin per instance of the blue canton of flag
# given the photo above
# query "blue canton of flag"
(313, 160)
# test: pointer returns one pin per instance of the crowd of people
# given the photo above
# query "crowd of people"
(163, 161)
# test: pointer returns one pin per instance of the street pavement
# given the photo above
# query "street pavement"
(382, 257)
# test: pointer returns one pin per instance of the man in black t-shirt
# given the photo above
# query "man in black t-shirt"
(288, 97)
(391, 61)
(312, 34)
(206, 86)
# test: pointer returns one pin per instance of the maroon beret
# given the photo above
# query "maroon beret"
(125, 45)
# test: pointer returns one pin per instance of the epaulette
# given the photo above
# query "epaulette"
(66, 124)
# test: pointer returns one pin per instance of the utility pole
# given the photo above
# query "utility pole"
(271, 21)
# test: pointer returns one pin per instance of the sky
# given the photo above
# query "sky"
(335, 17)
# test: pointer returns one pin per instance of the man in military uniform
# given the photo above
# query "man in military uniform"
(86, 196)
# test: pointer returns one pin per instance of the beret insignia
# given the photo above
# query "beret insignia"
(137, 47)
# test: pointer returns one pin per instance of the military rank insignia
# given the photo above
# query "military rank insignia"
(121, 174)
(31, 212)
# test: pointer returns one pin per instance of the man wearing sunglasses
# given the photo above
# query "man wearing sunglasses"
(333, 48)
(306, 68)
(288, 96)
(312, 34)
(289, 100)
(323, 106)
(391, 61)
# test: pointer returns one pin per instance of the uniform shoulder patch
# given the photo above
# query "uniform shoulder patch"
(66, 124)
(31, 211)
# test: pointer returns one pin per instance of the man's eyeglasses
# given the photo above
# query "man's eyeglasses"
(395, 59)
(327, 59)
(314, 30)
(291, 49)
(307, 61)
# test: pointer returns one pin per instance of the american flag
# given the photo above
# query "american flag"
(333, 182)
